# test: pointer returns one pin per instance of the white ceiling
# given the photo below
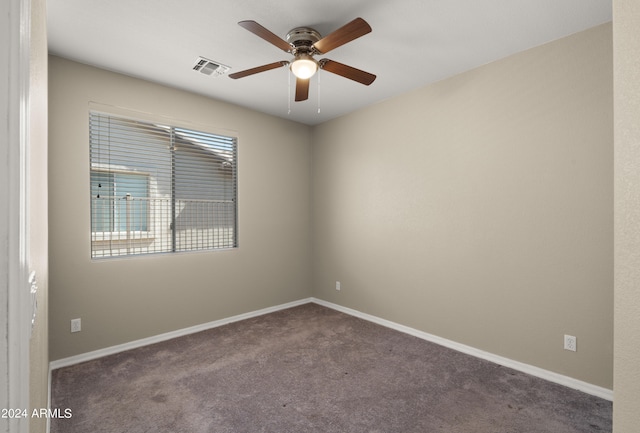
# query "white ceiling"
(413, 43)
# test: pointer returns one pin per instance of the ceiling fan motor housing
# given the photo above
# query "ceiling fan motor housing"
(302, 39)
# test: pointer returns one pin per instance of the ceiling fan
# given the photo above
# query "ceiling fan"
(304, 43)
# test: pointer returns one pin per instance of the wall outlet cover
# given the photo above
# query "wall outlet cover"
(76, 325)
(570, 343)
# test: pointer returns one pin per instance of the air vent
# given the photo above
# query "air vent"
(209, 67)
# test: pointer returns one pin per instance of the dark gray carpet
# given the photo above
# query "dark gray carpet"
(312, 369)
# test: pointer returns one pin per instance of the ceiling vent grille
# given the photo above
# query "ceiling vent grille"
(209, 67)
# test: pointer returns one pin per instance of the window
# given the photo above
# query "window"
(126, 204)
(158, 188)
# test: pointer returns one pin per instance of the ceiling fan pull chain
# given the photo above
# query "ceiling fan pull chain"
(289, 98)
(318, 91)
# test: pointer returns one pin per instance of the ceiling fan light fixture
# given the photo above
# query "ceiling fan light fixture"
(304, 43)
(304, 66)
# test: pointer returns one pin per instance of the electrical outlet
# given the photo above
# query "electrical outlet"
(338, 285)
(76, 325)
(570, 343)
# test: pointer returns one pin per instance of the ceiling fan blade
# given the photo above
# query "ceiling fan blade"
(265, 34)
(344, 34)
(347, 71)
(302, 89)
(258, 69)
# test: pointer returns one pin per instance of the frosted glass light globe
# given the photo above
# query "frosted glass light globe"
(304, 66)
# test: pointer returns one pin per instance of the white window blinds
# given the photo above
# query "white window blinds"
(158, 188)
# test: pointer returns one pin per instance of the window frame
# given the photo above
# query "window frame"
(224, 231)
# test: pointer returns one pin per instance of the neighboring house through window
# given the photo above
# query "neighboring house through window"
(120, 202)
(157, 188)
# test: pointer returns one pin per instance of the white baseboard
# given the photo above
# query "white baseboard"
(76, 359)
(588, 388)
(570, 382)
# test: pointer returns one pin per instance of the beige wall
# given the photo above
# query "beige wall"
(479, 209)
(626, 49)
(124, 300)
